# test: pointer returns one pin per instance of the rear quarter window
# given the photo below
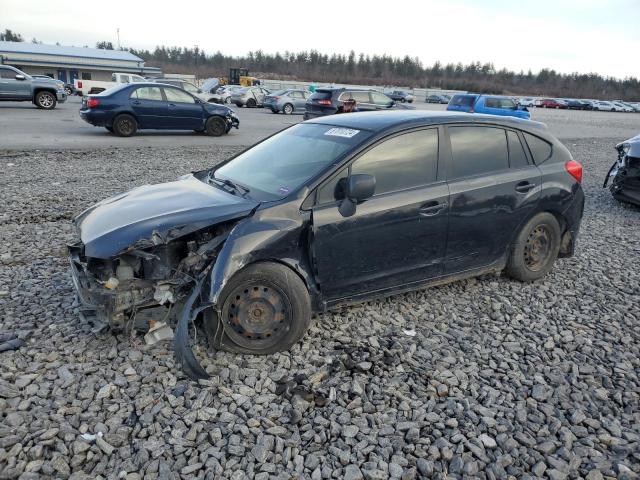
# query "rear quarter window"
(540, 149)
(462, 100)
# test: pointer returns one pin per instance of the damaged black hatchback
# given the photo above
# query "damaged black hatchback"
(623, 177)
(330, 211)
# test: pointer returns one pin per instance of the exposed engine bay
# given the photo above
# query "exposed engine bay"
(623, 177)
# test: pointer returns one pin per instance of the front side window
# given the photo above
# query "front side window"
(7, 73)
(124, 79)
(175, 95)
(477, 150)
(379, 98)
(147, 93)
(282, 163)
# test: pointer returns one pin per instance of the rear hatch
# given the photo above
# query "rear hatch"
(462, 103)
(321, 103)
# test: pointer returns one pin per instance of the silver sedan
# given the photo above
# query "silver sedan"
(287, 101)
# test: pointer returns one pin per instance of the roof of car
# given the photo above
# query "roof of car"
(378, 121)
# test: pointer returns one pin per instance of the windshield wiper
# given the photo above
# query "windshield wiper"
(228, 183)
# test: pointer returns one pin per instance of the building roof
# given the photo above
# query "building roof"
(59, 50)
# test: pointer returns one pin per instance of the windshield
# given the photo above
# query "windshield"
(281, 164)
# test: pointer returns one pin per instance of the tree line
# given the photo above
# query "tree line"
(315, 66)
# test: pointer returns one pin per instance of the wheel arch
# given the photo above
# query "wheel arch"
(561, 219)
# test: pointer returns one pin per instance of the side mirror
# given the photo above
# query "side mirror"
(357, 189)
(20, 77)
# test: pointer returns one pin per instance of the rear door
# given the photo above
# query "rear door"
(363, 101)
(183, 112)
(396, 237)
(298, 99)
(149, 107)
(494, 189)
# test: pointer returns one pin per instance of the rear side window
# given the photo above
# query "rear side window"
(517, 157)
(478, 150)
(540, 149)
(497, 102)
(360, 97)
(462, 100)
(147, 93)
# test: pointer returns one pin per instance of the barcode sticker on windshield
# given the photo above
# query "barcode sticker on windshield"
(342, 132)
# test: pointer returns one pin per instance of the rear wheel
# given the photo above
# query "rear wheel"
(535, 249)
(265, 309)
(46, 100)
(124, 125)
(251, 103)
(287, 109)
(215, 127)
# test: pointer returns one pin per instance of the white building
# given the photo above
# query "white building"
(69, 63)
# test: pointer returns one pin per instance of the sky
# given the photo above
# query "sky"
(566, 35)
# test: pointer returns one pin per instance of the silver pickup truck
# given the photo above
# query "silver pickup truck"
(17, 86)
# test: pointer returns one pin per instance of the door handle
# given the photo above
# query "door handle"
(136, 102)
(524, 187)
(432, 208)
(172, 104)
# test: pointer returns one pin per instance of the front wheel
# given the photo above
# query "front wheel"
(265, 309)
(125, 125)
(68, 91)
(251, 103)
(287, 109)
(46, 100)
(535, 249)
(215, 127)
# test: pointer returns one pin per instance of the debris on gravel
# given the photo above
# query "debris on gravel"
(497, 379)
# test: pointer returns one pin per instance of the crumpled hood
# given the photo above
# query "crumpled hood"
(634, 146)
(182, 207)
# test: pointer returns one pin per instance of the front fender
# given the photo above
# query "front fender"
(266, 236)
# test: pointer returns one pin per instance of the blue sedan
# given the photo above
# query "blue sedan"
(126, 108)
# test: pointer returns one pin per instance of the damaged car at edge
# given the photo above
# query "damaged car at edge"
(623, 177)
(327, 212)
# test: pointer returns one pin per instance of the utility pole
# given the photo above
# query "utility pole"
(118, 32)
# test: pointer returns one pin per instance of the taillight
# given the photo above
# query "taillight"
(574, 169)
(324, 102)
(93, 102)
(79, 84)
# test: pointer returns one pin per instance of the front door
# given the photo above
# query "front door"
(149, 107)
(183, 112)
(494, 189)
(394, 238)
(10, 87)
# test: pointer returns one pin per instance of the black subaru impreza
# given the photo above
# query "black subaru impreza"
(329, 211)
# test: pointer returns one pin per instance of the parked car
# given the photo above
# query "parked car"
(573, 104)
(621, 107)
(605, 106)
(400, 96)
(624, 174)
(126, 108)
(287, 101)
(551, 103)
(87, 87)
(489, 104)
(226, 91)
(328, 101)
(17, 86)
(250, 97)
(191, 88)
(526, 102)
(437, 99)
(327, 212)
(633, 107)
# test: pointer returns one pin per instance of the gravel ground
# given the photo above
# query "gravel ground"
(500, 380)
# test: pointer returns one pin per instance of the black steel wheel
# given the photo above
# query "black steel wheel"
(265, 309)
(535, 249)
(124, 125)
(215, 127)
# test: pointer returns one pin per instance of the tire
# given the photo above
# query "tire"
(535, 249)
(288, 109)
(124, 125)
(239, 105)
(110, 129)
(268, 289)
(251, 103)
(46, 100)
(227, 100)
(68, 91)
(402, 100)
(273, 110)
(215, 127)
